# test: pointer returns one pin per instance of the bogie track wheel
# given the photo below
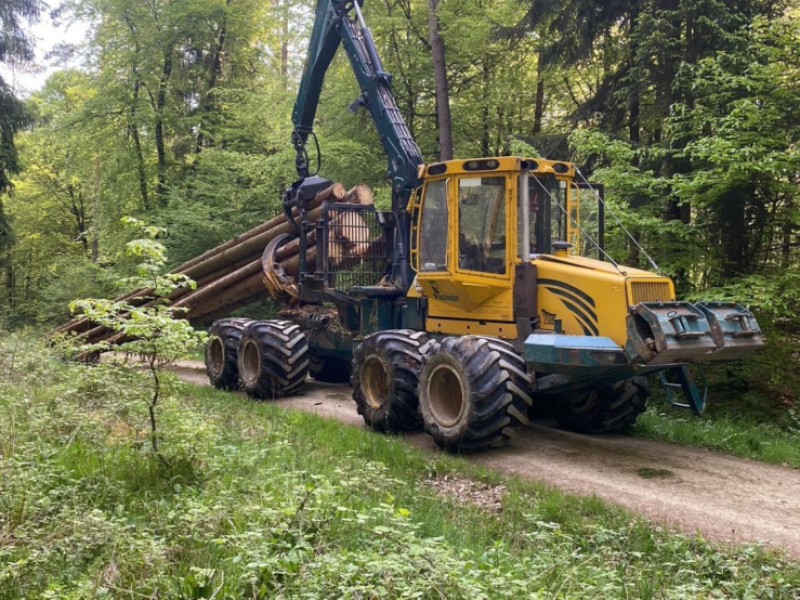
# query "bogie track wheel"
(221, 352)
(607, 409)
(473, 393)
(273, 359)
(330, 370)
(385, 379)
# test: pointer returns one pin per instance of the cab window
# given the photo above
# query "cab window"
(482, 224)
(433, 228)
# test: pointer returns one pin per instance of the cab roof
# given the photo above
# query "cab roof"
(559, 168)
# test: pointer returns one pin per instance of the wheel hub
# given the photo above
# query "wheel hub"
(251, 361)
(446, 393)
(216, 356)
(375, 381)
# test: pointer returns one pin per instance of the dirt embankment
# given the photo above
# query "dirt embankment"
(726, 499)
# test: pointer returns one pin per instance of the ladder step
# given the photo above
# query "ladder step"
(676, 386)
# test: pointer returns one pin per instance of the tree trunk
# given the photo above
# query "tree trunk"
(9, 269)
(440, 84)
(96, 211)
(538, 113)
(786, 244)
(485, 139)
(214, 70)
(285, 46)
(161, 101)
(78, 210)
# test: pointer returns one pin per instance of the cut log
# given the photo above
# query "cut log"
(349, 237)
(293, 247)
(361, 194)
(203, 319)
(292, 265)
(245, 288)
(247, 248)
(217, 287)
(336, 192)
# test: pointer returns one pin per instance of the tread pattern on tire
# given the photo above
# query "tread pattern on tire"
(229, 332)
(402, 350)
(499, 401)
(608, 409)
(284, 355)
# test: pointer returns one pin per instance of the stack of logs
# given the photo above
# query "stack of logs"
(229, 276)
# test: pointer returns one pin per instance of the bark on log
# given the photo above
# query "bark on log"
(250, 247)
(292, 265)
(201, 294)
(335, 192)
(245, 288)
(293, 247)
(208, 318)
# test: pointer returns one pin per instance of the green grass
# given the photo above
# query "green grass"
(731, 434)
(266, 503)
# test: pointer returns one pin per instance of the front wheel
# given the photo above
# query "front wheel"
(385, 377)
(473, 393)
(607, 409)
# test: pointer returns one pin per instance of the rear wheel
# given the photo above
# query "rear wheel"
(385, 378)
(221, 352)
(330, 370)
(273, 359)
(473, 393)
(607, 409)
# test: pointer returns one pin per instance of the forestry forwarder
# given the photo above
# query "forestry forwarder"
(472, 300)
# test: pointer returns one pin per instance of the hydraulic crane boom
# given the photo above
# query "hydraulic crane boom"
(341, 21)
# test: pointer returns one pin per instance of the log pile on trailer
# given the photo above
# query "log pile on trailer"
(231, 275)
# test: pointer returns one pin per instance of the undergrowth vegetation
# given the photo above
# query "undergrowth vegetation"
(267, 503)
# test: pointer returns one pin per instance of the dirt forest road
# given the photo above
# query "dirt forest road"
(725, 499)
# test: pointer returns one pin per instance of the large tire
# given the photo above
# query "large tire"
(221, 352)
(473, 393)
(330, 370)
(607, 409)
(273, 359)
(385, 379)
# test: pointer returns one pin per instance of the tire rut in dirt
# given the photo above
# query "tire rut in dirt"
(609, 409)
(385, 379)
(474, 393)
(221, 352)
(273, 359)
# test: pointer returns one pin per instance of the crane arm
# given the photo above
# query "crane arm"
(341, 22)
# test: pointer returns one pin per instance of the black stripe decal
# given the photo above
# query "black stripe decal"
(575, 310)
(568, 287)
(580, 303)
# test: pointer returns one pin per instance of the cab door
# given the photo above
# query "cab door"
(473, 291)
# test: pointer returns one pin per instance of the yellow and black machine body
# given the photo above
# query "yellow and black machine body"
(486, 296)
